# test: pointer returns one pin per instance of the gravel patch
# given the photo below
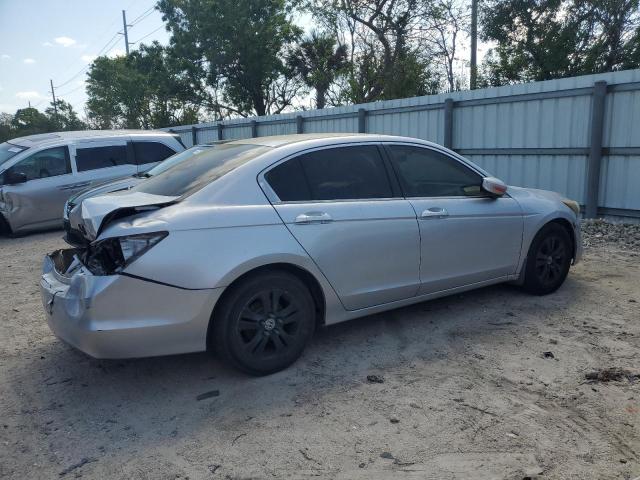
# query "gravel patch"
(598, 233)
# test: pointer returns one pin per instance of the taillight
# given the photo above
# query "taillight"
(112, 255)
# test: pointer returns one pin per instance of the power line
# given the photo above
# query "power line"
(112, 41)
(64, 94)
(143, 15)
(149, 34)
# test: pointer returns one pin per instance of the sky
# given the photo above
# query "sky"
(57, 39)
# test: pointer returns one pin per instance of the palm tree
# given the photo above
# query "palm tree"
(318, 62)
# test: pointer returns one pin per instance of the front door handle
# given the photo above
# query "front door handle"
(434, 213)
(313, 217)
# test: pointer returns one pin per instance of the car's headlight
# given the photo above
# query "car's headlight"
(573, 205)
(112, 255)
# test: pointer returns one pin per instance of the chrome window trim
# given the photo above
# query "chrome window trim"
(275, 200)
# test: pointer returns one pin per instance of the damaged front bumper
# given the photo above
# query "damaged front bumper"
(119, 316)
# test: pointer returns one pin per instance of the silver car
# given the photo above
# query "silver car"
(72, 237)
(38, 173)
(246, 249)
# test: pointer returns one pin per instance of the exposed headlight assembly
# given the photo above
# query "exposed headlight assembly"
(573, 205)
(112, 255)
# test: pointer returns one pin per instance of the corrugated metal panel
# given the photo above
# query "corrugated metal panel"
(551, 114)
(620, 182)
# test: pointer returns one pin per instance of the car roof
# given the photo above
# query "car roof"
(42, 139)
(329, 138)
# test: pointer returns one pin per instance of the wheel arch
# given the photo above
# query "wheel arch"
(306, 277)
(566, 224)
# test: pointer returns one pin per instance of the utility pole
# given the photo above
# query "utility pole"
(474, 45)
(126, 34)
(55, 104)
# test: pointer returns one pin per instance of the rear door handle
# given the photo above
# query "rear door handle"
(313, 217)
(434, 213)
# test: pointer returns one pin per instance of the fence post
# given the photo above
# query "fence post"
(194, 135)
(254, 129)
(448, 123)
(220, 127)
(362, 120)
(299, 124)
(595, 148)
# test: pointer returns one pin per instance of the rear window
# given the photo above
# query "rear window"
(8, 150)
(201, 169)
(177, 158)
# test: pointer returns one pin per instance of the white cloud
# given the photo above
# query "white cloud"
(47, 44)
(4, 56)
(64, 41)
(88, 58)
(29, 61)
(30, 95)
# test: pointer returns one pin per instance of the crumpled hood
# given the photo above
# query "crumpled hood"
(105, 187)
(96, 212)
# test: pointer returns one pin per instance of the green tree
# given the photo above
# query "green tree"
(318, 62)
(5, 126)
(238, 48)
(545, 39)
(389, 58)
(29, 121)
(66, 117)
(147, 89)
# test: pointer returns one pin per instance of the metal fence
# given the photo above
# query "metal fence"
(579, 136)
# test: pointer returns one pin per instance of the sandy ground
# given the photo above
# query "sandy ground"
(467, 391)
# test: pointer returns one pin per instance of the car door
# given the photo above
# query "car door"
(38, 202)
(467, 236)
(340, 205)
(103, 160)
(149, 153)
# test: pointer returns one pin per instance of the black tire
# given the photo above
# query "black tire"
(263, 323)
(548, 260)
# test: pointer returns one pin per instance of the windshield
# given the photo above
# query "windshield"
(175, 159)
(9, 150)
(199, 170)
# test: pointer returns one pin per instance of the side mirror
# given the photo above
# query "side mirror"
(494, 186)
(13, 178)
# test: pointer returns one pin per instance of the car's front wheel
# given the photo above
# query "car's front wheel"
(264, 323)
(548, 260)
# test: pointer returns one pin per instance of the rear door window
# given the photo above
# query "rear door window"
(151, 152)
(45, 163)
(342, 173)
(93, 158)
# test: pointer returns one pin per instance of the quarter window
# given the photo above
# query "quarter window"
(45, 163)
(151, 152)
(343, 173)
(427, 173)
(100, 157)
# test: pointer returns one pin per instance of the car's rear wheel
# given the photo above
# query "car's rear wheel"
(548, 260)
(264, 323)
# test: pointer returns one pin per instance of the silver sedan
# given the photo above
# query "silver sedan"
(246, 249)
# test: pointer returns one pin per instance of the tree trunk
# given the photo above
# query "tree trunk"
(321, 93)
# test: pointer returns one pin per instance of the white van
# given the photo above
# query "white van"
(38, 173)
